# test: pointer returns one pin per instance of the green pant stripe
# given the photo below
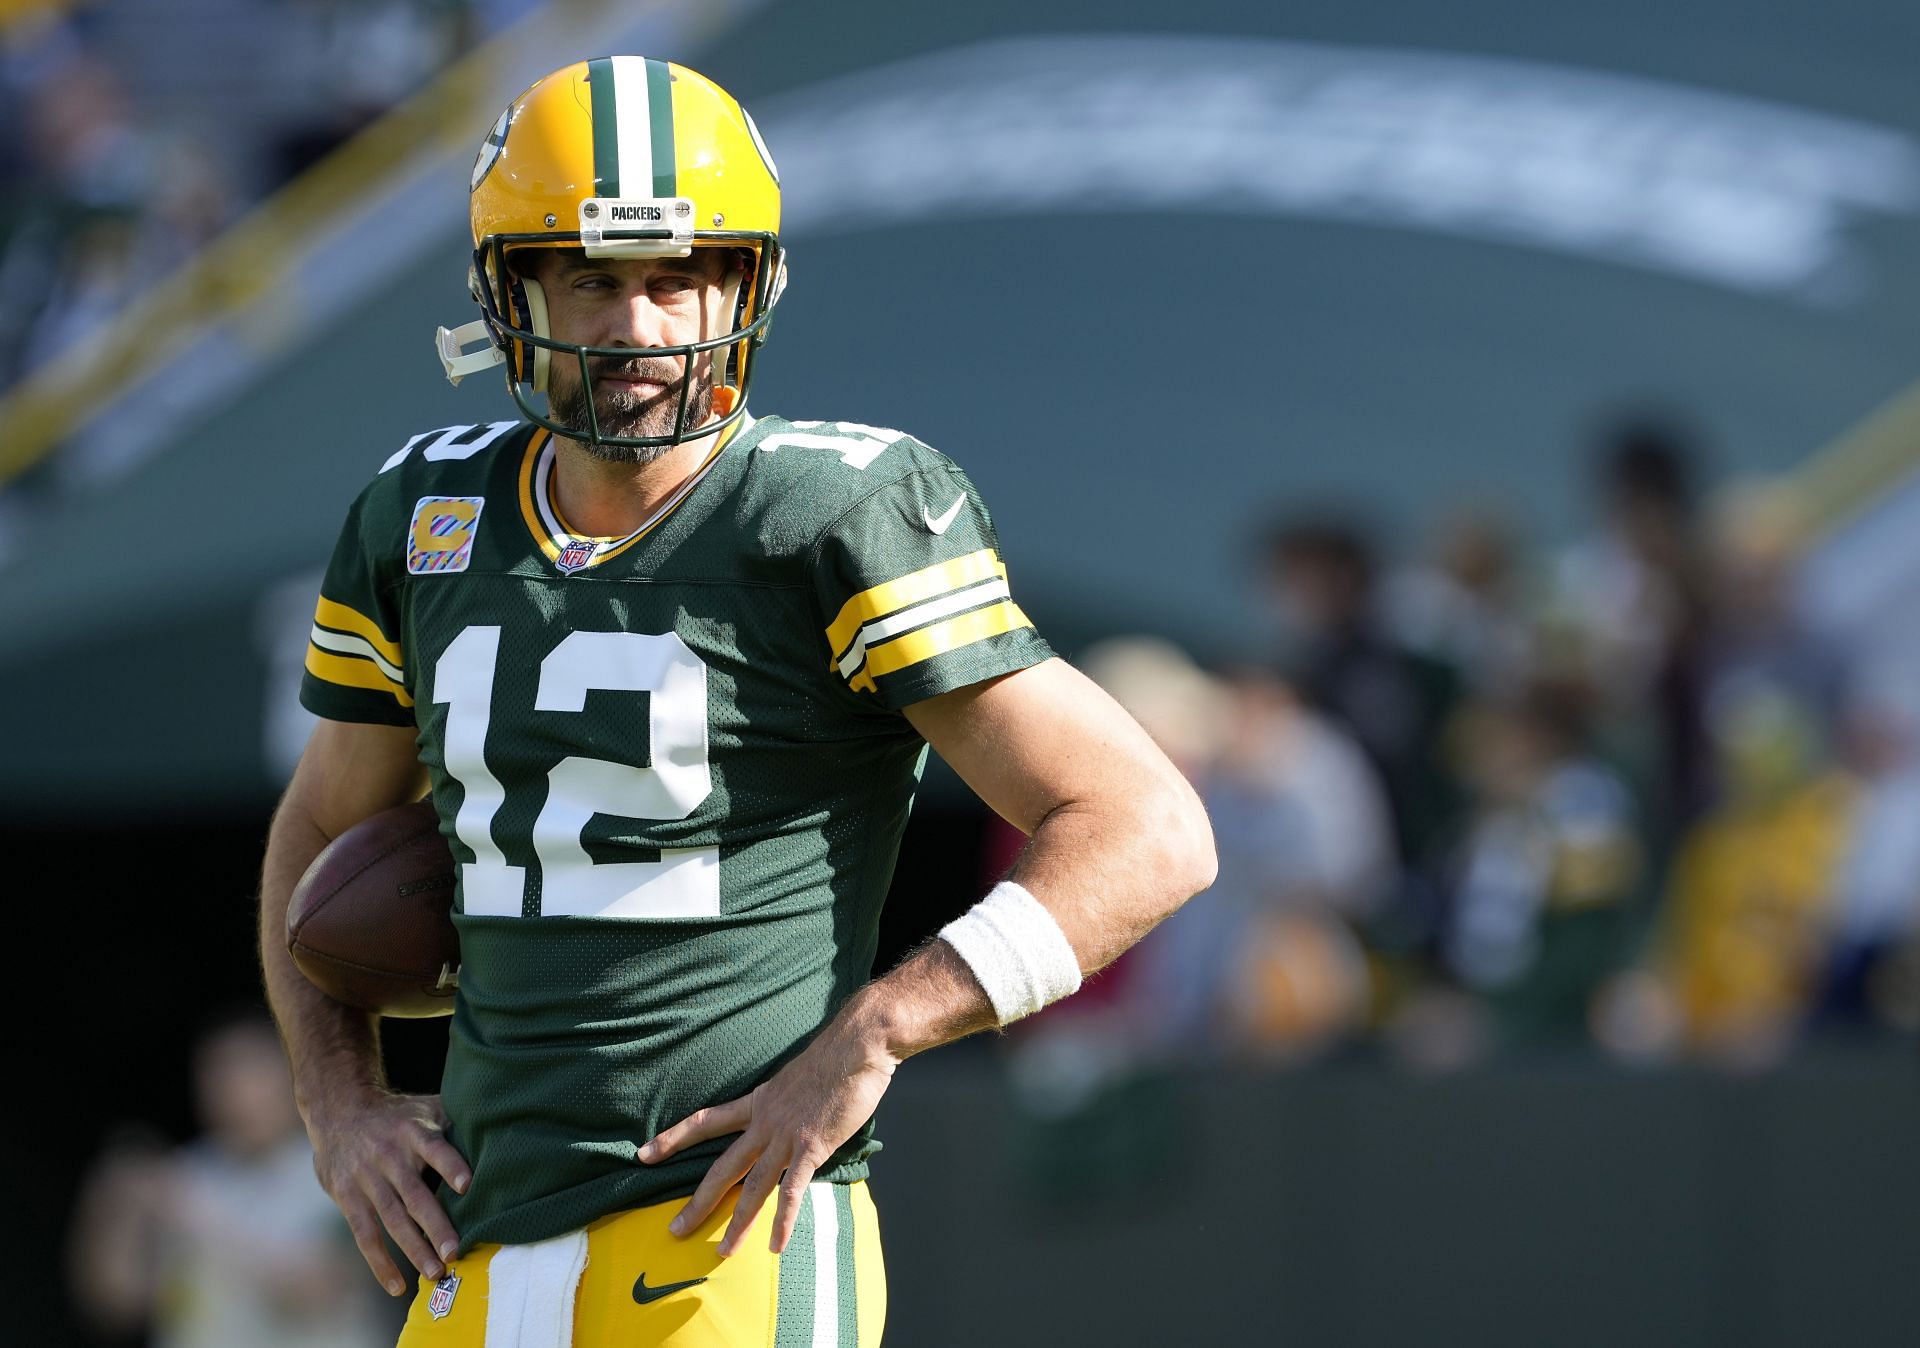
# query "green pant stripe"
(660, 117)
(606, 127)
(849, 1284)
(793, 1310)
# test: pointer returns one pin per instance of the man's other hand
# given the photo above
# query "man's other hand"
(369, 1152)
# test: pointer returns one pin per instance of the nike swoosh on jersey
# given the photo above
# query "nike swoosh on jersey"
(947, 517)
(645, 1294)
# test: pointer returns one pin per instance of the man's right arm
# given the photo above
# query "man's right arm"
(370, 1144)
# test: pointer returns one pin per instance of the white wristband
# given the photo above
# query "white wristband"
(1016, 950)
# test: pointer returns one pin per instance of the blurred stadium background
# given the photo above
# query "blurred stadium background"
(1476, 439)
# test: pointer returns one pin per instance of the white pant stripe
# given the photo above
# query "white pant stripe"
(826, 1270)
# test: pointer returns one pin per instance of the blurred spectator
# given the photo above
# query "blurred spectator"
(1266, 961)
(1740, 951)
(1463, 607)
(1755, 630)
(228, 1242)
(1306, 856)
(1297, 805)
(1633, 583)
(1551, 866)
(1634, 595)
(1394, 701)
(1874, 973)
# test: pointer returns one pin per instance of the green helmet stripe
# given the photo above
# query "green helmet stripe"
(606, 127)
(660, 115)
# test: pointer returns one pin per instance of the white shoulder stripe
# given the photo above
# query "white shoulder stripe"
(340, 643)
(907, 619)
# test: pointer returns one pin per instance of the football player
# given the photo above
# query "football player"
(670, 671)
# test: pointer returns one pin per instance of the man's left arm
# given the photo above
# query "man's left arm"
(1118, 841)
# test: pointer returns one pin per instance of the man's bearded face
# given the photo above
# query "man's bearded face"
(635, 397)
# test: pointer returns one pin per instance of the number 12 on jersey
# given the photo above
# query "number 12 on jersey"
(684, 882)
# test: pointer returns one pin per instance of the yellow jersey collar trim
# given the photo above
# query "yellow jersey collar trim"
(550, 530)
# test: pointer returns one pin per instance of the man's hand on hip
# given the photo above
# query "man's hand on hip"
(788, 1127)
(369, 1152)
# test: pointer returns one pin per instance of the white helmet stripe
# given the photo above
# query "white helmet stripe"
(635, 125)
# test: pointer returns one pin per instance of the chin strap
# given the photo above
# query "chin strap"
(459, 363)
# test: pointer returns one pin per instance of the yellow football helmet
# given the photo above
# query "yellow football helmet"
(624, 157)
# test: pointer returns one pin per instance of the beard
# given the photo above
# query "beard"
(623, 413)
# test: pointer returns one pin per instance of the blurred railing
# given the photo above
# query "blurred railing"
(251, 259)
(1838, 482)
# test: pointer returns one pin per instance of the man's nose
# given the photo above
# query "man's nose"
(639, 322)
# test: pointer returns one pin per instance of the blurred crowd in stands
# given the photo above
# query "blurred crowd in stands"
(1629, 795)
(128, 156)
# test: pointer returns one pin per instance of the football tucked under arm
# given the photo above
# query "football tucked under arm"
(371, 922)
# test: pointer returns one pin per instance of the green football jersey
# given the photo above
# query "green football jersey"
(673, 769)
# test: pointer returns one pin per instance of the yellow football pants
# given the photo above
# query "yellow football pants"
(644, 1286)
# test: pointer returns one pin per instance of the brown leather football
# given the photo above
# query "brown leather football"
(371, 922)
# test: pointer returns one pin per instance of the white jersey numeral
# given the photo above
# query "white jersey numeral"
(684, 882)
(856, 445)
(450, 442)
(463, 679)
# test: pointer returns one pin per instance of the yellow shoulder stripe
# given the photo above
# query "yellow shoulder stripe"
(938, 639)
(343, 619)
(354, 673)
(912, 588)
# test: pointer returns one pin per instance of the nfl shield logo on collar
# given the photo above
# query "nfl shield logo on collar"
(443, 1293)
(576, 555)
